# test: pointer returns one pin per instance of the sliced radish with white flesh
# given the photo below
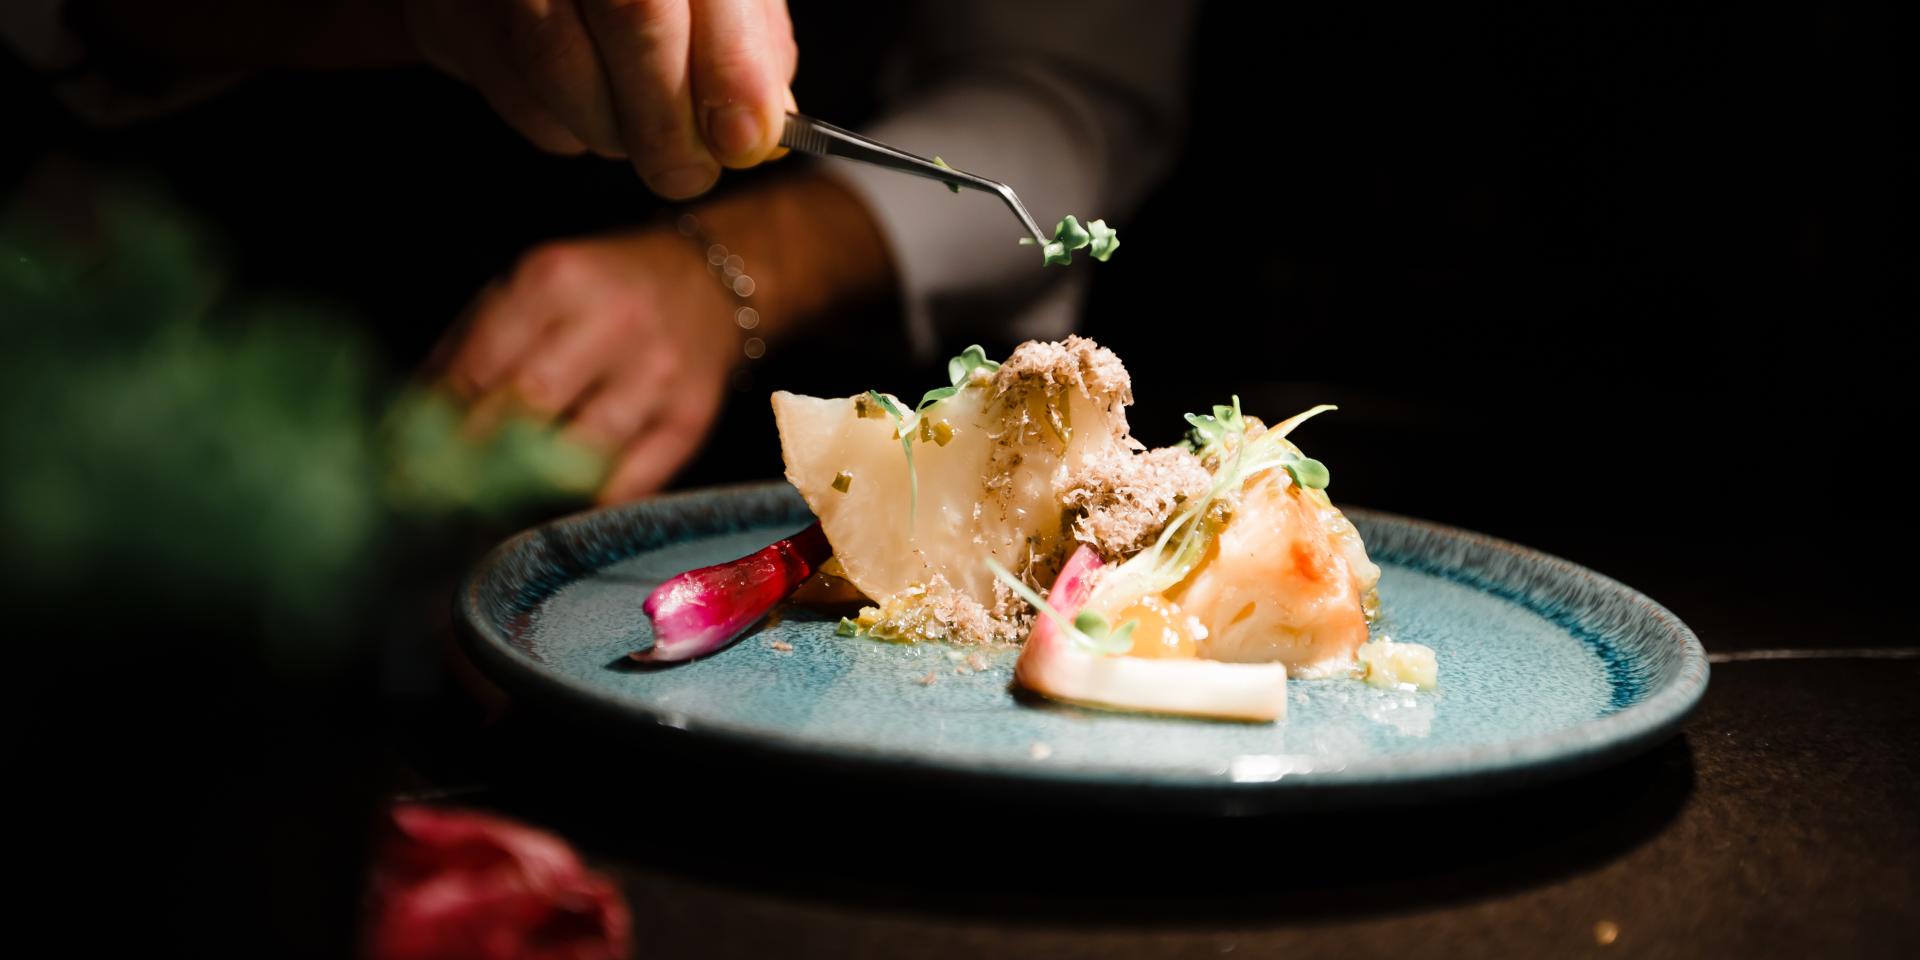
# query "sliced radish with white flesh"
(1053, 664)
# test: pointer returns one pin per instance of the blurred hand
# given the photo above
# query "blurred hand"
(681, 87)
(626, 339)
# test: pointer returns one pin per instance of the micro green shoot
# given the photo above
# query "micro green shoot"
(1109, 642)
(945, 166)
(1070, 232)
(1095, 237)
(934, 396)
(961, 371)
(1208, 433)
(1309, 473)
(903, 425)
(1102, 240)
(1220, 436)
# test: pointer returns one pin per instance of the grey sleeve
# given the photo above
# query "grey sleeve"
(1078, 105)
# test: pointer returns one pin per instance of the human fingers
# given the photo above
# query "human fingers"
(739, 66)
(643, 45)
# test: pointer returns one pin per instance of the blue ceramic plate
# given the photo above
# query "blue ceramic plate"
(1546, 668)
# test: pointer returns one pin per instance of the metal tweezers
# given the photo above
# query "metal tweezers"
(808, 135)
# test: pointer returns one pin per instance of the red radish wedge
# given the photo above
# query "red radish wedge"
(1053, 664)
(700, 611)
(462, 885)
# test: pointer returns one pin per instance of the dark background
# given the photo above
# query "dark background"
(1631, 283)
(1596, 277)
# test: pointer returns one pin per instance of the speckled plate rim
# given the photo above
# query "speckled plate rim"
(578, 545)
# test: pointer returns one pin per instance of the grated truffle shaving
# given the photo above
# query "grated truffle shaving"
(1125, 500)
(1076, 361)
(936, 611)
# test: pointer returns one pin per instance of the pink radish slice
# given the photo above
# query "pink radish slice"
(700, 611)
(1053, 665)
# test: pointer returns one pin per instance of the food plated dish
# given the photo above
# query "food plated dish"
(1037, 598)
(1190, 579)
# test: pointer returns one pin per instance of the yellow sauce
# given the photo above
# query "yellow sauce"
(1164, 632)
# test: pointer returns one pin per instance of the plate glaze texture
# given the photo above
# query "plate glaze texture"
(1546, 669)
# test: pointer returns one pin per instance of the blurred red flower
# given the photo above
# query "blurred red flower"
(459, 885)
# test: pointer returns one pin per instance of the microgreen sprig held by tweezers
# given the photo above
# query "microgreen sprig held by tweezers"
(1098, 239)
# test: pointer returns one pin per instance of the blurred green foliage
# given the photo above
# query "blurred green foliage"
(436, 467)
(165, 436)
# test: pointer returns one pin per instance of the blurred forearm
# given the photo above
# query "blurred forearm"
(810, 244)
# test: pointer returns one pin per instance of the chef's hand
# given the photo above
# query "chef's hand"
(624, 338)
(679, 87)
(628, 340)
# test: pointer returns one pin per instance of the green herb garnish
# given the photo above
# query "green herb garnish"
(1094, 636)
(1070, 232)
(1222, 439)
(903, 427)
(1109, 639)
(1104, 240)
(1208, 433)
(1310, 473)
(1098, 239)
(885, 403)
(1211, 435)
(943, 164)
(960, 370)
(934, 396)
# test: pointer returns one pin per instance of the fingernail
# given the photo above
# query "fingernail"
(683, 183)
(734, 133)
